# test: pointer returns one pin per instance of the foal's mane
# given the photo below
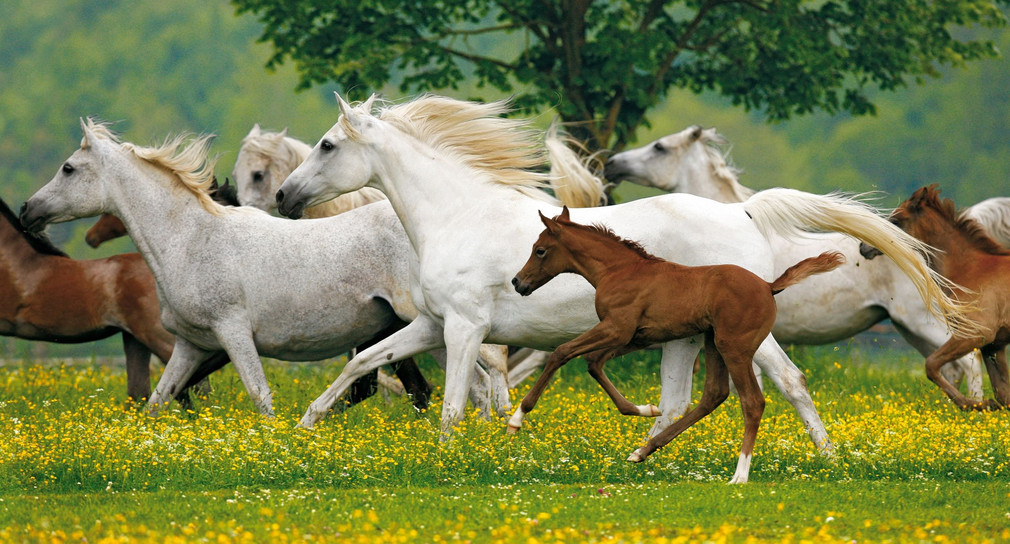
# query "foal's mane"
(716, 149)
(38, 242)
(184, 156)
(972, 229)
(507, 150)
(605, 232)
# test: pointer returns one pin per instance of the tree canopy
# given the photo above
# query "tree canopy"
(603, 65)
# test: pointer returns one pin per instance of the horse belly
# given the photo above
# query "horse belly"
(310, 336)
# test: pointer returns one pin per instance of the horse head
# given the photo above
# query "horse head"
(548, 258)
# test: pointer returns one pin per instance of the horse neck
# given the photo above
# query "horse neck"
(594, 256)
(158, 214)
(429, 191)
(706, 177)
(291, 153)
(954, 248)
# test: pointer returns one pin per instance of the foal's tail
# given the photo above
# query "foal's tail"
(790, 213)
(572, 178)
(825, 262)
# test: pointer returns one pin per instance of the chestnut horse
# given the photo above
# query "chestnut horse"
(643, 300)
(980, 270)
(48, 296)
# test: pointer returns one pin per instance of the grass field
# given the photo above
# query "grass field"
(76, 464)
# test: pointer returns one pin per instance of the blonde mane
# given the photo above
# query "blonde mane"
(717, 153)
(184, 156)
(508, 151)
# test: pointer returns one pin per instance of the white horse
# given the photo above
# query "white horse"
(267, 158)
(994, 216)
(825, 308)
(458, 176)
(237, 279)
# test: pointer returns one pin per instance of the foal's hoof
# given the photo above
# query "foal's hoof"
(653, 411)
(511, 429)
(636, 456)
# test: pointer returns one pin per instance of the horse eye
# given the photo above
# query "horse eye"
(326, 145)
(658, 146)
(67, 168)
(257, 176)
(540, 252)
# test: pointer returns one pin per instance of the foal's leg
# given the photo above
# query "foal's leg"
(752, 402)
(954, 348)
(791, 382)
(601, 337)
(715, 392)
(595, 361)
(419, 336)
(995, 365)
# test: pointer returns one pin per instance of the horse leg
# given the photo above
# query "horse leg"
(752, 402)
(954, 348)
(926, 334)
(715, 392)
(676, 375)
(237, 340)
(595, 362)
(138, 368)
(417, 388)
(186, 359)
(412, 379)
(462, 337)
(495, 359)
(791, 382)
(995, 365)
(525, 362)
(480, 386)
(600, 337)
(419, 336)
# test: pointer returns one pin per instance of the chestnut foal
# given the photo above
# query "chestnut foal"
(643, 300)
(980, 270)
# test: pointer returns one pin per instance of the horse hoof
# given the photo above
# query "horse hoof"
(654, 411)
(511, 429)
(636, 457)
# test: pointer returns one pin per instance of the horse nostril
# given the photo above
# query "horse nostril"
(515, 281)
(280, 196)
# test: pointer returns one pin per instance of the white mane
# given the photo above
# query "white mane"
(717, 153)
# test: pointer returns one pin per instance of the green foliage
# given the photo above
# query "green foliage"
(604, 65)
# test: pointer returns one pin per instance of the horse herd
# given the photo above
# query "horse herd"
(446, 199)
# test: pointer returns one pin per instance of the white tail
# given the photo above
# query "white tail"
(572, 179)
(788, 212)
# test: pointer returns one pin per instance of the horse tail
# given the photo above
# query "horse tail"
(571, 176)
(790, 213)
(825, 262)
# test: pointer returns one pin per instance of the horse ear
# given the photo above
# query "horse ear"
(88, 135)
(255, 130)
(915, 202)
(696, 132)
(368, 103)
(342, 104)
(552, 225)
(284, 132)
(564, 214)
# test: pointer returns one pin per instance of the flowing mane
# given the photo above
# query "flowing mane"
(38, 242)
(605, 232)
(717, 152)
(183, 155)
(278, 147)
(972, 229)
(507, 150)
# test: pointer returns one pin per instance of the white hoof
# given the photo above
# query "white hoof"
(651, 410)
(636, 456)
(511, 429)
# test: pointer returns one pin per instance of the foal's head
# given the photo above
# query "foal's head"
(549, 258)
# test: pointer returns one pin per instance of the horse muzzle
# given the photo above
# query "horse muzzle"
(869, 252)
(288, 206)
(32, 217)
(522, 287)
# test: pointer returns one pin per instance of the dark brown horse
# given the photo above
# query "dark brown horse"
(980, 271)
(643, 300)
(46, 295)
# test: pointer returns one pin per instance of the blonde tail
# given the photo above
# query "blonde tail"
(572, 179)
(790, 213)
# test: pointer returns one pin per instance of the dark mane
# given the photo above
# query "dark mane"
(605, 231)
(972, 229)
(39, 243)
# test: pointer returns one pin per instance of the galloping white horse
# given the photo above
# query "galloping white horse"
(344, 279)
(458, 176)
(267, 158)
(825, 308)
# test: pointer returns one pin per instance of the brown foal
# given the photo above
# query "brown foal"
(643, 300)
(980, 270)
